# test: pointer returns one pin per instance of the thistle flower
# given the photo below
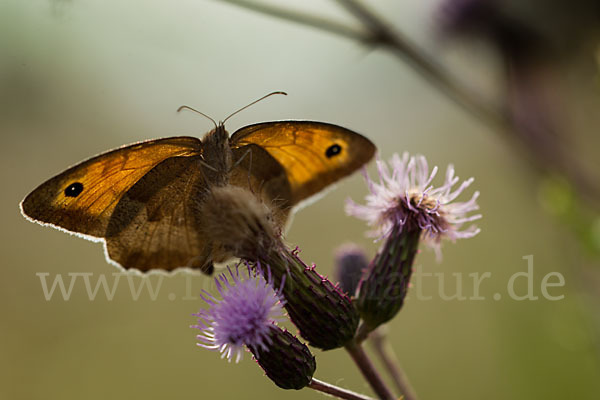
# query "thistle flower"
(404, 199)
(404, 209)
(324, 315)
(246, 316)
(243, 317)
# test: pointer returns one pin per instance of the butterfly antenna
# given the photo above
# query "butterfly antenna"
(254, 102)
(196, 111)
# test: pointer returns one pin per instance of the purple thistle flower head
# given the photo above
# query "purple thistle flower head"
(404, 198)
(245, 315)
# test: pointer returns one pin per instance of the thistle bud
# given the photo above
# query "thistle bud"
(350, 263)
(325, 316)
(287, 361)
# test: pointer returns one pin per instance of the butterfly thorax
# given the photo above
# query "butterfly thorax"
(216, 155)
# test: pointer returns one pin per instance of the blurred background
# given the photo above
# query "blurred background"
(506, 91)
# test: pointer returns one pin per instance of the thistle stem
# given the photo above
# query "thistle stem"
(362, 333)
(336, 391)
(385, 352)
(369, 372)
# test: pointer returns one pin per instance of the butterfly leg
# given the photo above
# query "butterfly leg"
(238, 162)
(208, 166)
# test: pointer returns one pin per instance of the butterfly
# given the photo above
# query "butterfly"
(144, 200)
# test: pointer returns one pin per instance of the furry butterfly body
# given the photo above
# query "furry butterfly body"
(145, 200)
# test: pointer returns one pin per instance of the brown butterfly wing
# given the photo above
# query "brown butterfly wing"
(311, 156)
(89, 199)
(157, 223)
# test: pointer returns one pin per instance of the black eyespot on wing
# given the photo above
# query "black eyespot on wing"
(333, 150)
(74, 189)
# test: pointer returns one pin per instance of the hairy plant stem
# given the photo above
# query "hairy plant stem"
(369, 372)
(338, 392)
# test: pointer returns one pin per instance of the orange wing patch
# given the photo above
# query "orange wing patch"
(313, 154)
(82, 198)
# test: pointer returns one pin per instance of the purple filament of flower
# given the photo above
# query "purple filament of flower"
(405, 198)
(243, 317)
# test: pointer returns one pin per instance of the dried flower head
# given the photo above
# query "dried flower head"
(237, 221)
(244, 316)
(405, 198)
